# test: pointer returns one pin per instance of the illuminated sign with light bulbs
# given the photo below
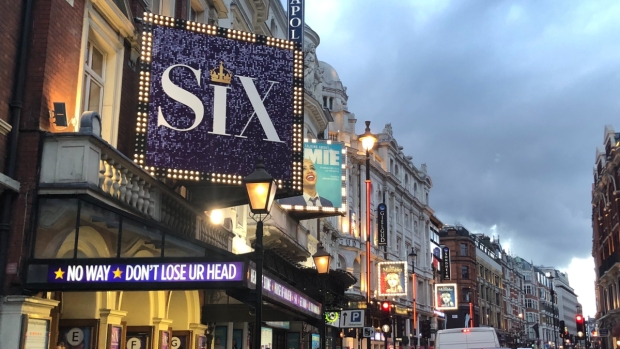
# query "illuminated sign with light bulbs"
(211, 100)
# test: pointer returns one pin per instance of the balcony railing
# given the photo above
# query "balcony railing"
(81, 163)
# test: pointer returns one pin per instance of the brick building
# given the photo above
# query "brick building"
(463, 273)
(605, 235)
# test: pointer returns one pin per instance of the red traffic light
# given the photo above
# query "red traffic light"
(385, 306)
(579, 318)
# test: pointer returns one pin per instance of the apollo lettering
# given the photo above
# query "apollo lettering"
(295, 20)
(220, 96)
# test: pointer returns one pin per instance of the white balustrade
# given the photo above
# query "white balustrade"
(82, 161)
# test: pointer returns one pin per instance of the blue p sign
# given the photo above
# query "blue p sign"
(356, 316)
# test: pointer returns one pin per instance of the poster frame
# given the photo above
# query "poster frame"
(122, 338)
(24, 329)
(200, 338)
(455, 296)
(93, 324)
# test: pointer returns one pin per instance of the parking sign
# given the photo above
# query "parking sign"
(352, 318)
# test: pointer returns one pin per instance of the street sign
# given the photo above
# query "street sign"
(603, 332)
(352, 318)
(368, 332)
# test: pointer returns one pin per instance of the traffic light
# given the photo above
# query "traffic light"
(581, 329)
(386, 308)
(562, 328)
(425, 328)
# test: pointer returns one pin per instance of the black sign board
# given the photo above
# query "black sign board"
(446, 263)
(382, 224)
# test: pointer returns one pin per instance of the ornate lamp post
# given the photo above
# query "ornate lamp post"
(368, 142)
(322, 260)
(261, 189)
(412, 257)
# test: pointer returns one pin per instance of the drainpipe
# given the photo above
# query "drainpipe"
(9, 197)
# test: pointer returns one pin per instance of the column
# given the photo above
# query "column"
(12, 309)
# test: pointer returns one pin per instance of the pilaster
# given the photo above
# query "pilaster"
(12, 309)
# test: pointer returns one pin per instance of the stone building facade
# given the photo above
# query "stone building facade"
(490, 284)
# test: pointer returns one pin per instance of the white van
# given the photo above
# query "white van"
(461, 338)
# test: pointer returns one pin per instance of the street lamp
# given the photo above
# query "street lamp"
(322, 260)
(261, 189)
(413, 257)
(368, 142)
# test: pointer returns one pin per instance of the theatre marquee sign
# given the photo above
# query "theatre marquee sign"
(132, 274)
(211, 100)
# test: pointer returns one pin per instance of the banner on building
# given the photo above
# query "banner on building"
(323, 183)
(436, 253)
(446, 296)
(296, 21)
(212, 100)
(382, 224)
(445, 263)
(392, 278)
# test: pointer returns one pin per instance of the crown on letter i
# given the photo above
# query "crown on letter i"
(220, 75)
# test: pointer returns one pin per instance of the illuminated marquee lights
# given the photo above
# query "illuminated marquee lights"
(151, 21)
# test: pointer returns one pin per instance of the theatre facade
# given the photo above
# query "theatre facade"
(128, 224)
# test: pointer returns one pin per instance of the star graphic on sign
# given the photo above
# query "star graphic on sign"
(59, 273)
(117, 273)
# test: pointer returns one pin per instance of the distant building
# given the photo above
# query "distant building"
(463, 273)
(568, 307)
(490, 290)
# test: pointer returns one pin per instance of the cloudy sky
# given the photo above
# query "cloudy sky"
(505, 101)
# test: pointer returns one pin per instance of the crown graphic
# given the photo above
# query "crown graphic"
(221, 76)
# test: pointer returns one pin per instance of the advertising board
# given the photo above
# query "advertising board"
(392, 278)
(211, 100)
(324, 185)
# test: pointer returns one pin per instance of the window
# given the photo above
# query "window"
(465, 272)
(163, 7)
(325, 101)
(528, 289)
(463, 250)
(399, 242)
(102, 69)
(94, 68)
(465, 292)
(331, 103)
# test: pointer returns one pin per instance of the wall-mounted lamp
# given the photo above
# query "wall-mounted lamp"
(59, 114)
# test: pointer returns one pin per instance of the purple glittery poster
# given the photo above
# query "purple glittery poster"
(215, 104)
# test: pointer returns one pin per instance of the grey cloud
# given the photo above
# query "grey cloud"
(533, 82)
